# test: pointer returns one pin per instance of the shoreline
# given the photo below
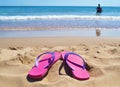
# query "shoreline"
(59, 33)
(53, 28)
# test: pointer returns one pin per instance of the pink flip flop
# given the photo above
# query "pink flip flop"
(76, 64)
(41, 67)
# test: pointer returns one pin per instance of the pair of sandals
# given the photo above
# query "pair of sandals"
(74, 61)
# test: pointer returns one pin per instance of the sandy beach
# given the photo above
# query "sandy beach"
(102, 54)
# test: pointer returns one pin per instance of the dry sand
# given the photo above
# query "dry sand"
(102, 55)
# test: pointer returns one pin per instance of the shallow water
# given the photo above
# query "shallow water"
(63, 23)
(58, 33)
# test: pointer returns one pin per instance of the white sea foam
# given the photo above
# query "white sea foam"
(60, 17)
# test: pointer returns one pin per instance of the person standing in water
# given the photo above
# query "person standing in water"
(99, 10)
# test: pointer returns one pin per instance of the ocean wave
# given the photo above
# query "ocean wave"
(60, 17)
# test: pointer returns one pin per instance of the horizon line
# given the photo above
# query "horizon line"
(62, 5)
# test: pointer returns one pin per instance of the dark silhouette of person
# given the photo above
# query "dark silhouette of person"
(99, 10)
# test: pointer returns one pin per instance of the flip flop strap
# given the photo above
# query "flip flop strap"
(66, 59)
(51, 61)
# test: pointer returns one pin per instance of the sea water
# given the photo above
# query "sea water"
(54, 17)
(59, 17)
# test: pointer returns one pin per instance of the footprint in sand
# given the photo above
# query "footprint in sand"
(96, 72)
(113, 51)
(15, 48)
(23, 59)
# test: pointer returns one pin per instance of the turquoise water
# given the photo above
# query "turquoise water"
(58, 17)
(56, 10)
(67, 17)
